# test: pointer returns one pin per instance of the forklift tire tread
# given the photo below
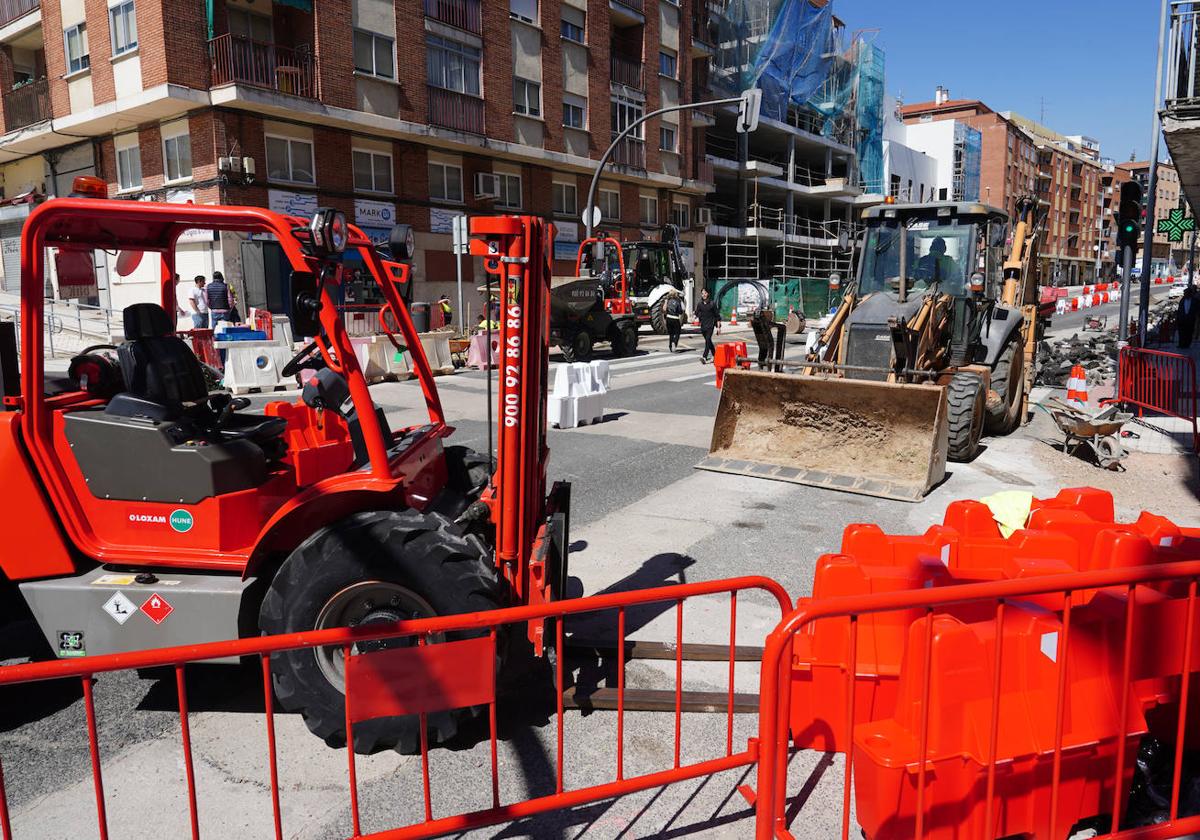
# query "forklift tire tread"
(1006, 416)
(965, 416)
(425, 553)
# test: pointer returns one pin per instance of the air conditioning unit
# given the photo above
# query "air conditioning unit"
(703, 216)
(487, 185)
(229, 164)
(248, 166)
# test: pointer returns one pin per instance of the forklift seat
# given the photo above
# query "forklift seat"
(164, 381)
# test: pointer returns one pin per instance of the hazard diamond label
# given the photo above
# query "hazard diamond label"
(157, 608)
(120, 607)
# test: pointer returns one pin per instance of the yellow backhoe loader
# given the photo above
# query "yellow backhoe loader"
(934, 341)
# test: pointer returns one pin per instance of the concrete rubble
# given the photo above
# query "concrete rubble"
(1095, 351)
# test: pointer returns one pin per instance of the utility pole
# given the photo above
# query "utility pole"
(1152, 185)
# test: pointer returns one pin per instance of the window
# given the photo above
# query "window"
(574, 24)
(527, 98)
(373, 54)
(610, 205)
(177, 153)
(445, 181)
(574, 111)
(290, 160)
(625, 112)
(249, 25)
(372, 171)
(666, 138)
(681, 214)
(667, 63)
(566, 199)
(894, 186)
(123, 26)
(129, 162)
(648, 210)
(510, 191)
(452, 65)
(77, 48)
(526, 10)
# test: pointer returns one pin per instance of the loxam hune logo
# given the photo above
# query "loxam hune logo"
(181, 521)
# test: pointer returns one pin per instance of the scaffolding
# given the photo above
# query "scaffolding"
(968, 152)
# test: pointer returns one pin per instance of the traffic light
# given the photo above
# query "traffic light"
(748, 109)
(1129, 215)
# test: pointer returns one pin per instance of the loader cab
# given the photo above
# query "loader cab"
(909, 250)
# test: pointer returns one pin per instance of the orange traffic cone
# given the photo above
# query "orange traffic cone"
(733, 318)
(1077, 387)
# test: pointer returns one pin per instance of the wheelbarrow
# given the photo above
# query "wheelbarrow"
(1100, 431)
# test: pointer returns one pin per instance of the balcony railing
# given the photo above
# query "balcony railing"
(636, 5)
(462, 14)
(269, 66)
(625, 71)
(10, 10)
(630, 152)
(702, 171)
(451, 109)
(27, 104)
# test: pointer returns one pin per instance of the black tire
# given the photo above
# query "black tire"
(624, 338)
(468, 471)
(428, 567)
(1008, 380)
(658, 316)
(965, 399)
(579, 348)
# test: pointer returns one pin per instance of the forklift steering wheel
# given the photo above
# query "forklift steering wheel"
(303, 360)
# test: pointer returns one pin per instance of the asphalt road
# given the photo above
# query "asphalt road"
(1110, 311)
(641, 516)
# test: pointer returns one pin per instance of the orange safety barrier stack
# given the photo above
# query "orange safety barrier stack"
(204, 348)
(726, 357)
(1009, 719)
(1074, 531)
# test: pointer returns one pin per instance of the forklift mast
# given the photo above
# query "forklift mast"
(517, 251)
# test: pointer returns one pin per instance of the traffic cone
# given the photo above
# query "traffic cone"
(1077, 387)
(733, 318)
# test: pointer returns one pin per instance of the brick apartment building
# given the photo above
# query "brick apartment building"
(1021, 157)
(490, 106)
(1168, 196)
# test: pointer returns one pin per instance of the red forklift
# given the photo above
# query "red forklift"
(145, 511)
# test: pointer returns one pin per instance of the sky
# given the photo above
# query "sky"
(1020, 55)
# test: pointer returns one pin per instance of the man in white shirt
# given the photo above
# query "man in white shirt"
(198, 302)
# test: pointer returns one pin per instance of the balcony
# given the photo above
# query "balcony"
(630, 152)
(239, 60)
(461, 14)
(10, 10)
(27, 104)
(624, 13)
(458, 111)
(625, 71)
(702, 171)
(702, 37)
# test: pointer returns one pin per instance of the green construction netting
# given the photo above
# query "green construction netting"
(810, 295)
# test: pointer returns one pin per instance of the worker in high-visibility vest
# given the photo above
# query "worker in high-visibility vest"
(447, 309)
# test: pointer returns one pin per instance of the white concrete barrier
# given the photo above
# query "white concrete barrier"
(578, 394)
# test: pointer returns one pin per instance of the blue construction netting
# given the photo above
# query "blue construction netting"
(868, 111)
(972, 162)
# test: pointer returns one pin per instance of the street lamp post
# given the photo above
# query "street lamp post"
(749, 103)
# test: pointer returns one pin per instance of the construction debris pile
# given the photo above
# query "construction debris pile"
(1096, 353)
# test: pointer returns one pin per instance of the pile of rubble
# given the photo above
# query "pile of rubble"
(1095, 352)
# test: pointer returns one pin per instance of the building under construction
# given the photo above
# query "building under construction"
(783, 209)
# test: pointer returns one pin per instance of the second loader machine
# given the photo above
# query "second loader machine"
(932, 345)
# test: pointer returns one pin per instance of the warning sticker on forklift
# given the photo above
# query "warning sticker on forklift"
(120, 607)
(70, 643)
(157, 608)
(113, 580)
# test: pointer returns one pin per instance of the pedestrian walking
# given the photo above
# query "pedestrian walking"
(1185, 317)
(674, 312)
(709, 317)
(219, 298)
(198, 303)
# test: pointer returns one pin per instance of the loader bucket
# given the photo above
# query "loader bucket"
(874, 438)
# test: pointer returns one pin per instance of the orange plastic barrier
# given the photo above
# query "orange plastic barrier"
(1160, 382)
(727, 356)
(1073, 531)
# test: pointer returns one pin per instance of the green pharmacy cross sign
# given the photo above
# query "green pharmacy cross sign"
(1175, 224)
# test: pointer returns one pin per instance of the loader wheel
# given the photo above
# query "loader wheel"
(965, 399)
(375, 567)
(579, 348)
(624, 338)
(658, 316)
(1008, 380)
